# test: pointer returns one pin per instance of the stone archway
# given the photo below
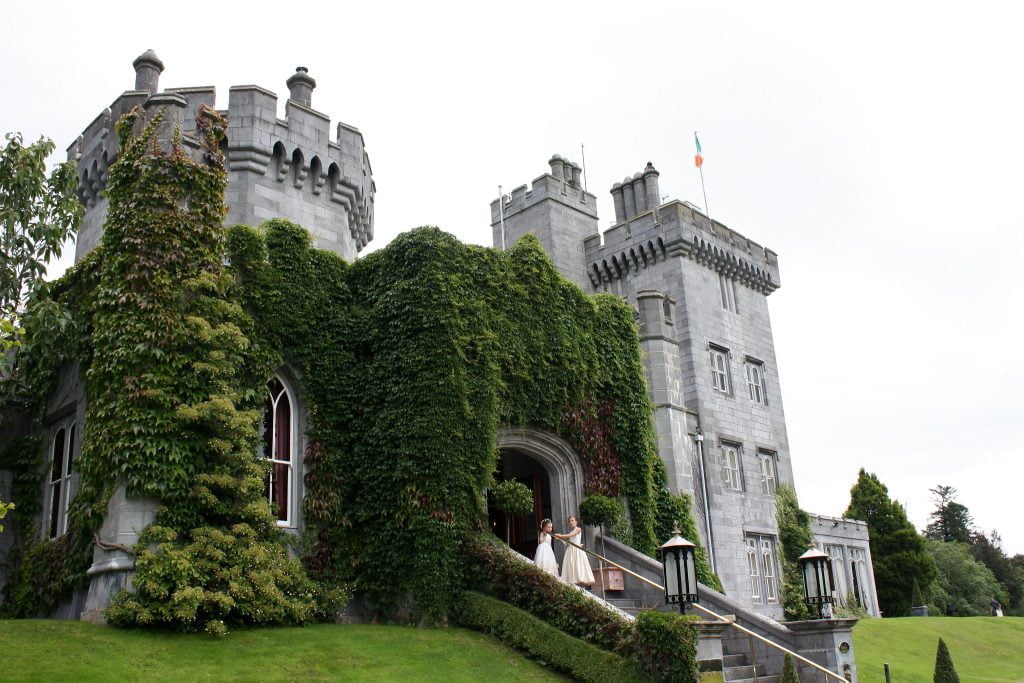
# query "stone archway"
(563, 485)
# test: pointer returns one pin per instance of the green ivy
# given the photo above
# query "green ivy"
(795, 537)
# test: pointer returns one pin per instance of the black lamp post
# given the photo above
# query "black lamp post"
(819, 584)
(679, 562)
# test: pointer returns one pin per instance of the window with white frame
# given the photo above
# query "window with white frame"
(837, 556)
(719, 368)
(727, 288)
(731, 467)
(861, 581)
(767, 461)
(755, 381)
(763, 568)
(59, 493)
(279, 448)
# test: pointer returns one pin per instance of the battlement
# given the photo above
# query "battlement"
(289, 168)
(647, 235)
(561, 185)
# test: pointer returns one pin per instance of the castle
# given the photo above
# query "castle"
(699, 291)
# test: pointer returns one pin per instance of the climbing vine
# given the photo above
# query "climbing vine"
(409, 360)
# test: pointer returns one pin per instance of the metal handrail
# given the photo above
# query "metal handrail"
(743, 629)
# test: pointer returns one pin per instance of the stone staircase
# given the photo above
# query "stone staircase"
(738, 669)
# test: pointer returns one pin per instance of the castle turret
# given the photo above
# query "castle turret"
(555, 209)
(290, 168)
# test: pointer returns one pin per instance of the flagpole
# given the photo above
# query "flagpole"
(700, 168)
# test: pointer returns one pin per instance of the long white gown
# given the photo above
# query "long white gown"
(576, 565)
(545, 556)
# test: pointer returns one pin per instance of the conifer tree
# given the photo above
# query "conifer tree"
(944, 671)
(897, 550)
(789, 671)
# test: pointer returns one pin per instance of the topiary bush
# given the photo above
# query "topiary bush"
(598, 510)
(512, 498)
(944, 670)
(519, 629)
(789, 671)
(664, 646)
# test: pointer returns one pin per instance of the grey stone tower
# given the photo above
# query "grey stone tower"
(700, 291)
(557, 210)
(277, 168)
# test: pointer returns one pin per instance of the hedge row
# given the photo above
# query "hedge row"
(493, 569)
(540, 641)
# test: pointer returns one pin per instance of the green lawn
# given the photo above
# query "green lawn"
(73, 651)
(982, 648)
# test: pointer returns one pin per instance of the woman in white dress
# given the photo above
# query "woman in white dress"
(545, 556)
(575, 565)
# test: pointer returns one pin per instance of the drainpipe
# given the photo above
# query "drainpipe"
(699, 438)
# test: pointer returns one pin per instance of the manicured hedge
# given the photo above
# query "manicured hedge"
(491, 568)
(540, 641)
(664, 646)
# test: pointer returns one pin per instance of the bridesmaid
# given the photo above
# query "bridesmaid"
(545, 556)
(575, 565)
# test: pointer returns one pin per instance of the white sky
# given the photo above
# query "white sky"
(877, 151)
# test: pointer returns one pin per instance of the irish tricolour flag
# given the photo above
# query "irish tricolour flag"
(698, 158)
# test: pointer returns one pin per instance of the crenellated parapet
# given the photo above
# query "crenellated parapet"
(277, 168)
(647, 236)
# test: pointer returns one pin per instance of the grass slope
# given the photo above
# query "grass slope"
(60, 650)
(982, 648)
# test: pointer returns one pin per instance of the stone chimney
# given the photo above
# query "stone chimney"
(300, 87)
(147, 72)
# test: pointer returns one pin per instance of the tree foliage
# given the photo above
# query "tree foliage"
(38, 214)
(897, 550)
(950, 521)
(1009, 572)
(963, 586)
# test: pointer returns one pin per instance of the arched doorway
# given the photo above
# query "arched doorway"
(550, 468)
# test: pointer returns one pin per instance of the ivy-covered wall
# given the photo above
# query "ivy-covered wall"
(408, 359)
(411, 358)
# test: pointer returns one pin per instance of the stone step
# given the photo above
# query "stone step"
(734, 660)
(738, 673)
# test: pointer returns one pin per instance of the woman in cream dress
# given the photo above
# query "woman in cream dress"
(545, 556)
(575, 564)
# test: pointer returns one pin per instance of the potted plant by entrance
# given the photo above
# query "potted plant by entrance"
(513, 499)
(603, 511)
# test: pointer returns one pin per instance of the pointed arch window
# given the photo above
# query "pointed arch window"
(279, 448)
(60, 478)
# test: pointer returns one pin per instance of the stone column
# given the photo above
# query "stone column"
(617, 200)
(172, 106)
(651, 183)
(629, 202)
(640, 193)
(709, 643)
(148, 68)
(112, 567)
(300, 87)
(828, 642)
(557, 167)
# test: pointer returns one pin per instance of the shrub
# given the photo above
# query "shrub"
(493, 569)
(789, 671)
(600, 510)
(944, 671)
(515, 627)
(217, 578)
(512, 498)
(664, 646)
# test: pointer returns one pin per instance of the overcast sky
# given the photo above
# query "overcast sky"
(879, 152)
